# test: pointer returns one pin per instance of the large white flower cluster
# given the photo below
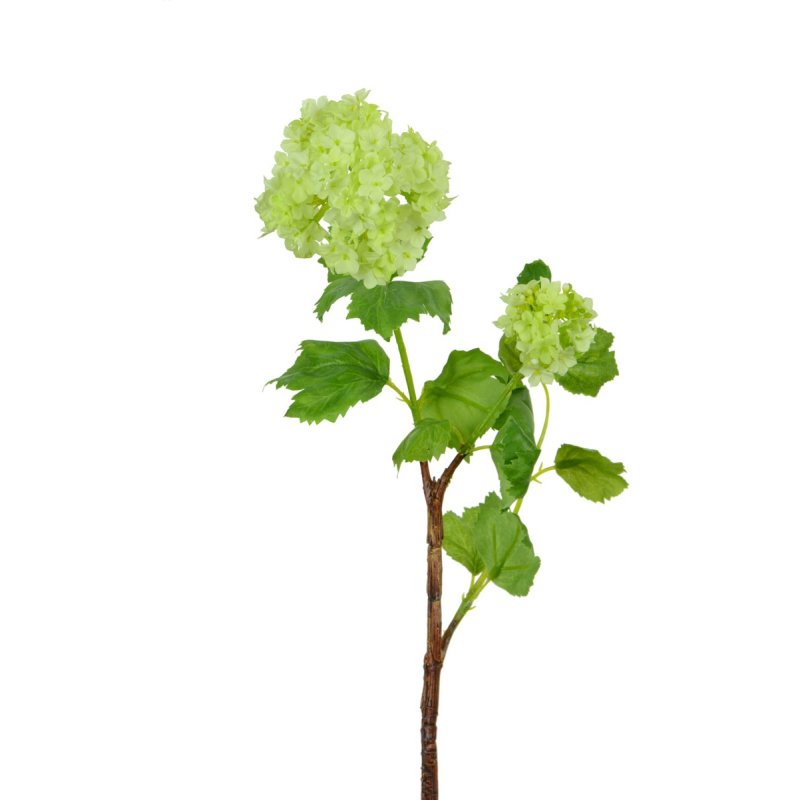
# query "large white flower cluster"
(548, 324)
(348, 189)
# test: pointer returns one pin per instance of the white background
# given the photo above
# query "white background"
(202, 599)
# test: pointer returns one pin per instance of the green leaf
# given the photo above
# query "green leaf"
(335, 290)
(514, 450)
(459, 538)
(330, 377)
(384, 308)
(509, 354)
(428, 440)
(519, 407)
(596, 366)
(533, 271)
(505, 548)
(489, 538)
(468, 394)
(425, 248)
(589, 473)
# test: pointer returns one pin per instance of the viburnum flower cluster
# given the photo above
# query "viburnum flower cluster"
(548, 324)
(347, 189)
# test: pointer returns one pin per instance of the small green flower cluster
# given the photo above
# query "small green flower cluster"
(548, 325)
(348, 189)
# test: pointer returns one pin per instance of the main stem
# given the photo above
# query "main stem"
(434, 489)
(434, 654)
(432, 665)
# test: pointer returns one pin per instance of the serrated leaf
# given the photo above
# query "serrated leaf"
(596, 366)
(505, 548)
(335, 290)
(514, 450)
(427, 440)
(467, 394)
(590, 473)
(459, 538)
(519, 407)
(533, 271)
(331, 377)
(384, 308)
(509, 355)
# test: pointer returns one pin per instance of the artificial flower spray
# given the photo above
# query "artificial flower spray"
(348, 190)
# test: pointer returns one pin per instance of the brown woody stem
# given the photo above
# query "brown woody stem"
(434, 490)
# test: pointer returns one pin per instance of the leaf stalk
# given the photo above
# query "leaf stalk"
(412, 393)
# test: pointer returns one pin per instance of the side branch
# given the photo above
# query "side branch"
(466, 605)
(447, 475)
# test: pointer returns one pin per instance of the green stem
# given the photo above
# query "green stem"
(542, 472)
(412, 394)
(546, 417)
(475, 588)
(518, 504)
(322, 209)
(392, 385)
(482, 447)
